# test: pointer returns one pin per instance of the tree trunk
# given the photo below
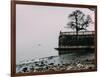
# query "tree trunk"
(76, 37)
(76, 32)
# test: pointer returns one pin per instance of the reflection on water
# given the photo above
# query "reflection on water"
(70, 61)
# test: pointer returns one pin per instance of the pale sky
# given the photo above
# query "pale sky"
(38, 27)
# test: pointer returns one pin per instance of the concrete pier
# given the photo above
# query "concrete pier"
(71, 42)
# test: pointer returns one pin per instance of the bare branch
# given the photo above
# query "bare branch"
(79, 20)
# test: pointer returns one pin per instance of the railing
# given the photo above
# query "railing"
(76, 46)
(79, 33)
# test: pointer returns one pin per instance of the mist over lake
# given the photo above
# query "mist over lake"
(38, 27)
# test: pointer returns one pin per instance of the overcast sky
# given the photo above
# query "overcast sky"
(38, 27)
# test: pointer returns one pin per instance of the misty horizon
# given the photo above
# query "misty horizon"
(38, 27)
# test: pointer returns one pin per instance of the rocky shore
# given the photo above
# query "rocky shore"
(50, 64)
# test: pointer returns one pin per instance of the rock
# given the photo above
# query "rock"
(24, 69)
(79, 65)
(69, 67)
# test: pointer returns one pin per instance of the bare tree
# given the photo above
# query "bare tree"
(79, 21)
